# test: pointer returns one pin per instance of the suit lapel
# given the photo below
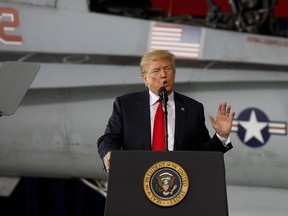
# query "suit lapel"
(143, 106)
(180, 113)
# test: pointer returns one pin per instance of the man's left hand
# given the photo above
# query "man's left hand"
(223, 122)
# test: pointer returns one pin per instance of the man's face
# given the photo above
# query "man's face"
(159, 74)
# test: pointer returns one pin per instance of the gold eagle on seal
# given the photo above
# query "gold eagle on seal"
(166, 183)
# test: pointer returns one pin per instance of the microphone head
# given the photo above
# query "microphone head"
(163, 94)
(162, 91)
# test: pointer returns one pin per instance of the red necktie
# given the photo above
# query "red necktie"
(158, 143)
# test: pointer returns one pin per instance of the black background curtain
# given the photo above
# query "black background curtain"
(53, 197)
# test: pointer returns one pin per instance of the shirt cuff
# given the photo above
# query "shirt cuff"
(223, 140)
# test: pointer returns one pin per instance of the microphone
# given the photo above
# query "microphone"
(163, 95)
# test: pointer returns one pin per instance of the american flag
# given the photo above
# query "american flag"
(182, 41)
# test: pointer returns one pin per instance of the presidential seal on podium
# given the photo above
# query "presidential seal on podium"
(166, 183)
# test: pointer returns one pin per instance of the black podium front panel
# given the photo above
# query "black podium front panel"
(206, 195)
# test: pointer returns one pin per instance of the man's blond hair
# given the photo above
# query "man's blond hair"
(155, 56)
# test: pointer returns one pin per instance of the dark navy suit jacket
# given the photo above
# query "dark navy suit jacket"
(129, 126)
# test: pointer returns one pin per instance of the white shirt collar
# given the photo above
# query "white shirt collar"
(154, 98)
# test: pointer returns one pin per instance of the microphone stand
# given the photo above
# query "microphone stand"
(165, 124)
(164, 99)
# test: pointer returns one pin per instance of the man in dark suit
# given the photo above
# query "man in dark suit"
(131, 125)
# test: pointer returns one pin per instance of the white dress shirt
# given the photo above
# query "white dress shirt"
(170, 117)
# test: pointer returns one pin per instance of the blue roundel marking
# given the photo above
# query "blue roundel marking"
(253, 127)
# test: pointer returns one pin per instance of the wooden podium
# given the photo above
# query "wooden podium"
(166, 183)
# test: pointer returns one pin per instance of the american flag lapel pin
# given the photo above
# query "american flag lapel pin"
(182, 108)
